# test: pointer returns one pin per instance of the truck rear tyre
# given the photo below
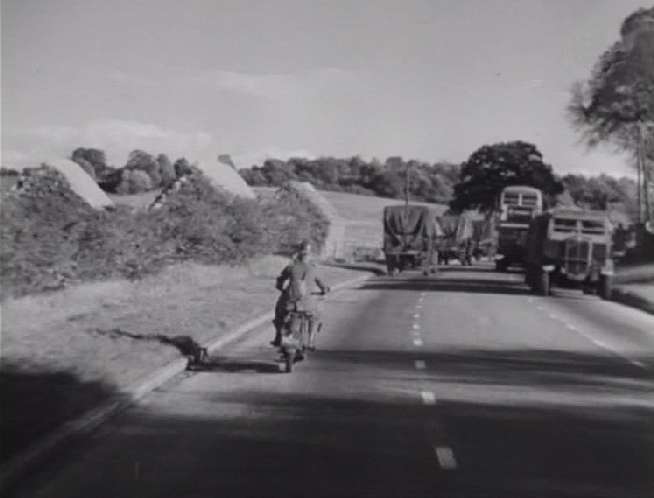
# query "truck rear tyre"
(288, 360)
(605, 289)
(544, 283)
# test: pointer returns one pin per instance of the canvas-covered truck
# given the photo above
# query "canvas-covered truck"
(570, 246)
(410, 233)
(456, 241)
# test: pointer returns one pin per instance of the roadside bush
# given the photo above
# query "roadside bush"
(50, 237)
(134, 181)
(37, 232)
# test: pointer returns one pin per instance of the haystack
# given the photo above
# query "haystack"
(81, 183)
(226, 177)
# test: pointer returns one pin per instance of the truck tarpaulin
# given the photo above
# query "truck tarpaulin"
(410, 228)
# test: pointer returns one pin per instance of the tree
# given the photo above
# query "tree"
(182, 167)
(134, 181)
(492, 167)
(166, 169)
(141, 160)
(619, 94)
(93, 161)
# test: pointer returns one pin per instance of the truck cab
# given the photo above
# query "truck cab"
(572, 246)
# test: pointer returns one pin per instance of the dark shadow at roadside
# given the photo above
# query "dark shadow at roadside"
(35, 402)
(229, 365)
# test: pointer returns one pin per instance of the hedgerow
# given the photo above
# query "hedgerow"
(50, 237)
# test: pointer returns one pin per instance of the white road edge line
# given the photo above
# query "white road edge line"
(445, 457)
(420, 364)
(428, 398)
(606, 347)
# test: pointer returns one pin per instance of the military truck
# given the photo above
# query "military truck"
(573, 247)
(518, 204)
(456, 239)
(410, 233)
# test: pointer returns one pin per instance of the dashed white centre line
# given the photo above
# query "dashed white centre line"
(418, 306)
(416, 316)
(417, 341)
(428, 398)
(445, 457)
(420, 364)
(416, 326)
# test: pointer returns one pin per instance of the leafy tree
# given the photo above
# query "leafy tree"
(620, 91)
(141, 160)
(166, 169)
(492, 167)
(134, 181)
(182, 167)
(93, 161)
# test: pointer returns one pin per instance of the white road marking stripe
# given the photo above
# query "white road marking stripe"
(417, 341)
(416, 326)
(420, 364)
(608, 348)
(445, 457)
(428, 398)
(416, 316)
(418, 306)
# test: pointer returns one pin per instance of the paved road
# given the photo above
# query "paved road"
(461, 385)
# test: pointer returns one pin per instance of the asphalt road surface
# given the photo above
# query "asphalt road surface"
(458, 385)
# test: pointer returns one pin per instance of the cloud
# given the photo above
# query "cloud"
(116, 137)
(276, 86)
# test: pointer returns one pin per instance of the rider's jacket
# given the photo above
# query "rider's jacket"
(295, 282)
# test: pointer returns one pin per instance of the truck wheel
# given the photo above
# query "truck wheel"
(529, 277)
(605, 289)
(544, 284)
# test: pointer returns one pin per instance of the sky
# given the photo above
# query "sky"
(427, 80)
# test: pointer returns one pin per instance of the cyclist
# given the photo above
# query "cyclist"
(294, 282)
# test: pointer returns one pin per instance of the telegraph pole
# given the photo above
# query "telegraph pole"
(639, 159)
(406, 186)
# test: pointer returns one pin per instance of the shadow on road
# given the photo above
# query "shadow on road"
(345, 443)
(216, 364)
(444, 283)
(538, 368)
(36, 401)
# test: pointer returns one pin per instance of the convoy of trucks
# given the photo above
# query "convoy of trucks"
(563, 246)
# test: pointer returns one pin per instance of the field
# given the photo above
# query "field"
(362, 215)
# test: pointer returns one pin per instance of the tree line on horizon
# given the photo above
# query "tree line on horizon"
(474, 184)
